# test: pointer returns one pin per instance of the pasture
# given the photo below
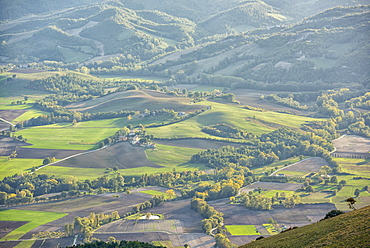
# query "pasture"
(64, 135)
(33, 219)
(17, 166)
(242, 230)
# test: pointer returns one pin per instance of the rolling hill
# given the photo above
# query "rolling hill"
(137, 100)
(346, 230)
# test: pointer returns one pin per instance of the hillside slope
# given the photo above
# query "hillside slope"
(347, 230)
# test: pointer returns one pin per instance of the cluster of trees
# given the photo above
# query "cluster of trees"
(255, 202)
(258, 202)
(359, 102)
(279, 144)
(223, 130)
(228, 181)
(288, 101)
(222, 241)
(154, 201)
(31, 185)
(213, 219)
(85, 225)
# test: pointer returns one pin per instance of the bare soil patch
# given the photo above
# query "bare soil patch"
(275, 186)
(352, 143)
(8, 145)
(197, 143)
(46, 243)
(307, 165)
(37, 153)
(9, 226)
(10, 115)
(9, 244)
(123, 155)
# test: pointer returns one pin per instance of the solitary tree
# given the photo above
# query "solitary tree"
(170, 194)
(357, 192)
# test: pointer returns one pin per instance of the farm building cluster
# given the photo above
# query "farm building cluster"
(135, 138)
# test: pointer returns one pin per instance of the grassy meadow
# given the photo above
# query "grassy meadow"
(59, 136)
(16, 166)
(35, 218)
(242, 230)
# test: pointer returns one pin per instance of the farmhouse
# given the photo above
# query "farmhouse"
(122, 138)
(134, 139)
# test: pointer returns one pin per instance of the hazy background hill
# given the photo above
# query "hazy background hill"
(263, 41)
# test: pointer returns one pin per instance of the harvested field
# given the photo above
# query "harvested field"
(10, 115)
(9, 244)
(177, 213)
(8, 145)
(197, 143)
(307, 165)
(274, 186)
(9, 226)
(47, 243)
(352, 143)
(123, 155)
(37, 153)
(139, 226)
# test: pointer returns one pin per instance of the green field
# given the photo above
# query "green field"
(233, 115)
(30, 114)
(35, 218)
(154, 192)
(59, 136)
(71, 56)
(242, 230)
(16, 166)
